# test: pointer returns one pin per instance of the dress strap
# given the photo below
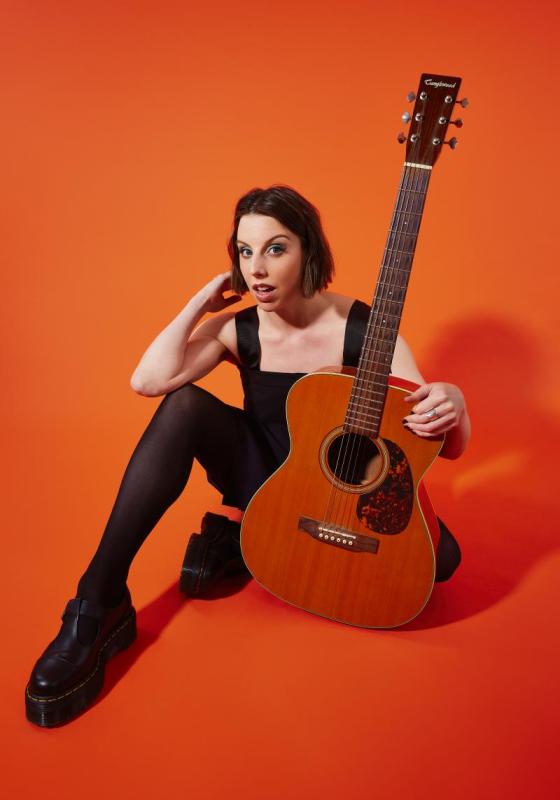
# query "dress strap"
(246, 326)
(355, 331)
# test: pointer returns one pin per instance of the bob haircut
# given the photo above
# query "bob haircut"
(300, 217)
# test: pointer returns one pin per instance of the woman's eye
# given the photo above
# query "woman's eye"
(275, 248)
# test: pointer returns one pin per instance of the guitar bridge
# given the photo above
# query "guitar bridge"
(338, 536)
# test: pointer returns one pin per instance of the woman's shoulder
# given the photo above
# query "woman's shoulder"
(343, 304)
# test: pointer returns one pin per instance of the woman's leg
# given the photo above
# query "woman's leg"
(448, 555)
(189, 423)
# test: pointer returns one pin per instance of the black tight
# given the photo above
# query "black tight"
(189, 423)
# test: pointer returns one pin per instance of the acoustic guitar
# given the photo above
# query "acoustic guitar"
(344, 527)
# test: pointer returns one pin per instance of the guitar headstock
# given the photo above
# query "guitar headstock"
(434, 104)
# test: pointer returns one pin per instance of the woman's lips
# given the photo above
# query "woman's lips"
(265, 296)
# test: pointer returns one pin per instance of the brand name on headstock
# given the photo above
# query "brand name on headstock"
(437, 84)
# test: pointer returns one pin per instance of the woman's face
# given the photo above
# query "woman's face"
(269, 254)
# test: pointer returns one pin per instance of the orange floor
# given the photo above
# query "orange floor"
(245, 696)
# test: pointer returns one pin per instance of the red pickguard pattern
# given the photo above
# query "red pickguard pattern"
(388, 508)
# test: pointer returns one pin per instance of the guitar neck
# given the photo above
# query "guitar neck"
(370, 385)
(431, 116)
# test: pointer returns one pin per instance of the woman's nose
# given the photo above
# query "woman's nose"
(258, 267)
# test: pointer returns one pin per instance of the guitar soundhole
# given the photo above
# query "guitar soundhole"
(354, 459)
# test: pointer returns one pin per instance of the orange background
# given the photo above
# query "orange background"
(129, 131)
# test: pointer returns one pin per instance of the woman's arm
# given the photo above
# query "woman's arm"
(166, 364)
(448, 400)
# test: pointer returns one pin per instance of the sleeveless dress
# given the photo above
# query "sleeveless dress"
(265, 392)
(264, 418)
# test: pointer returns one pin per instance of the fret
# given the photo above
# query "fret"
(390, 300)
(408, 217)
(371, 353)
(378, 326)
(386, 292)
(363, 417)
(394, 285)
(382, 308)
(365, 410)
(413, 203)
(399, 269)
(400, 211)
(369, 347)
(381, 303)
(407, 233)
(373, 391)
(398, 250)
(386, 313)
(367, 388)
(360, 400)
(379, 383)
(376, 367)
(366, 425)
(374, 349)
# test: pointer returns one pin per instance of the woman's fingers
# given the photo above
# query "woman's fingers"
(435, 427)
(419, 394)
(442, 409)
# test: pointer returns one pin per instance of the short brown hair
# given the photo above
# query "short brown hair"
(301, 217)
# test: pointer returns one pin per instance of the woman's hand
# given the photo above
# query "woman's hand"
(213, 292)
(448, 402)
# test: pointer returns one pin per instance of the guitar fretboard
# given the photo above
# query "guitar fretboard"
(367, 399)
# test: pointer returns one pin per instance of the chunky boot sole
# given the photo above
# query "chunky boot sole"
(55, 710)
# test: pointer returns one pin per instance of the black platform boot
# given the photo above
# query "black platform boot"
(69, 674)
(212, 556)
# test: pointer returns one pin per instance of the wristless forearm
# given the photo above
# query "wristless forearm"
(164, 357)
(457, 438)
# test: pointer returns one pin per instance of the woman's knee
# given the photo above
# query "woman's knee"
(189, 406)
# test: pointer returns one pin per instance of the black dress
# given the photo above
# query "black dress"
(263, 424)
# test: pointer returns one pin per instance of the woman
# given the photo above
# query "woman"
(279, 254)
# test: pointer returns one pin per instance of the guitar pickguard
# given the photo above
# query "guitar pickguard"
(387, 509)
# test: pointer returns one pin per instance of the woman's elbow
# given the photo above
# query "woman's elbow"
(144, 389)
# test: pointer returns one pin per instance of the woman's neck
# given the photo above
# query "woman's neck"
(297, 315)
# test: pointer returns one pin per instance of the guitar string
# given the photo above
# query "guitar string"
(349, 459)
(367, 389)
(331, 511)
(378, 356)
(397, 241)
(413, 204)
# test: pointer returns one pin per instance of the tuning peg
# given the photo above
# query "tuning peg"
(401, 138)
(457, 122)
(406, 117)
(464, 102)
(410, 97)
(453, 142)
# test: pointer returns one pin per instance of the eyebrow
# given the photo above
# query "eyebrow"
(278, 235)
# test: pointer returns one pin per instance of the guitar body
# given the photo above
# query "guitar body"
(344, 527)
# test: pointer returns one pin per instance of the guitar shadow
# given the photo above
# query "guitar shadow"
(499, 505)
